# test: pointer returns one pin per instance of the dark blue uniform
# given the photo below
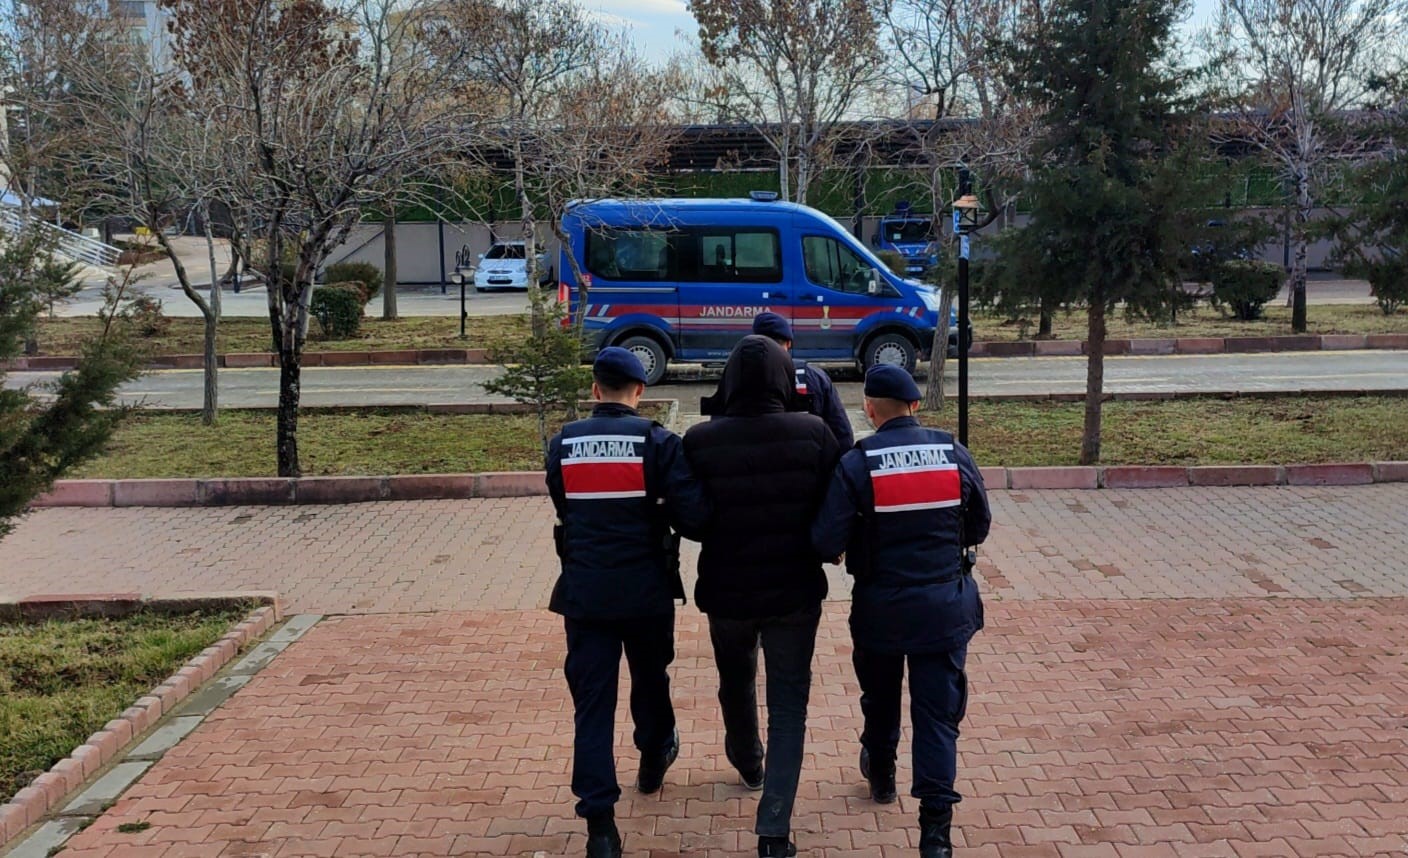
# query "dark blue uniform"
(903, 505)
(619, 483)
(823, 401)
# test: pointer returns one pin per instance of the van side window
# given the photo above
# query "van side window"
(727, 255)
(636, 255)
(831, 264)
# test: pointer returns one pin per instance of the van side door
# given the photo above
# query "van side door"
(632, 283)
(833, 298)
(727, 275)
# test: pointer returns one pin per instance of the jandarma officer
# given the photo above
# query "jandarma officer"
(904, 506)
(812, 382)
(620, 483)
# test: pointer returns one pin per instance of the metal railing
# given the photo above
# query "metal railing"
(66, 243)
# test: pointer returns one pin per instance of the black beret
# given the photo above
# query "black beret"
(772, 325)
(617, 361)
(888, 381)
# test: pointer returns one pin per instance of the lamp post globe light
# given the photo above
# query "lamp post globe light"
(967, 218)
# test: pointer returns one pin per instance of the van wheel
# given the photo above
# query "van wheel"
(650, 354)
(891, 348)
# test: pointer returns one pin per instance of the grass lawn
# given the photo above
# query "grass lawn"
(372, 442)
(1287, 430)
(62, 681)
(62, 336)
(1281, 431)
(1204, 321)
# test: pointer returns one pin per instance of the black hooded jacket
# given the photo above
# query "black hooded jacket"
(765, 470)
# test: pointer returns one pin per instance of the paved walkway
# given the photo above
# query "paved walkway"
(496, 554)
(1133, 728)
(1189, 672)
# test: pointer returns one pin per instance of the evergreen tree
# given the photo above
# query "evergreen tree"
(42, 437)
(1109, 194)
(1372, 239)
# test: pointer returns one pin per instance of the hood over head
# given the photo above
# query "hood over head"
(757, 379)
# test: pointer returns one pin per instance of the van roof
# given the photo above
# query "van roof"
(736, 204)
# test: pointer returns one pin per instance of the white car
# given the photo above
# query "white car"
(503, 267)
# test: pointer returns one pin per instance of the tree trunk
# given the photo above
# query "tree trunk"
(388, 283)
(289, 392)
(1303, 203)
(1094, 380)
(210, 408)
(529, 228)
(1046, 317)
(934, 388)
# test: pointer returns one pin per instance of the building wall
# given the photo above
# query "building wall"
(419, 257)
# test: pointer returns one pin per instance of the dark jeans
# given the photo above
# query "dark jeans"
(593, 667)
(938, 700)
(787, 644)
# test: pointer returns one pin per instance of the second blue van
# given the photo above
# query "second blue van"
(681, 280)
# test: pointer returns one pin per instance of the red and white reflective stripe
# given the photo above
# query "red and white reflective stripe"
(914, 477)
(802, 382)
(603, 467)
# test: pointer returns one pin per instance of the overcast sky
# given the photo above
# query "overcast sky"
(656, 24)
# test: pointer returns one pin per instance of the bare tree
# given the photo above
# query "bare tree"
(159, 166)
(315, 123)
(797, 68)
(44, 133)
(1291, 66)
(945, 54)
(519, 57)
(602, 131)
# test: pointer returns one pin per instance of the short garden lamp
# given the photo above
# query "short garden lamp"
(461, 278)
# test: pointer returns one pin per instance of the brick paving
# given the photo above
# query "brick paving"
(1190, 672)
(496, 554)
(1097, 728)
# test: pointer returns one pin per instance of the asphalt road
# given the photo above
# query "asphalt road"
(257, 388)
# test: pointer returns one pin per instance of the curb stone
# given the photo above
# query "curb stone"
(34, 803)
(521, 484)
(981, 348)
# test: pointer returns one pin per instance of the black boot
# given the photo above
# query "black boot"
(603, 840)
(652, 771)
(881, 777)
(776, 847)
(935, 824)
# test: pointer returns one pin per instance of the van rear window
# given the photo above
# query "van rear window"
(689, 255)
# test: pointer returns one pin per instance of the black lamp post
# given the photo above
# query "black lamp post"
(967, 214)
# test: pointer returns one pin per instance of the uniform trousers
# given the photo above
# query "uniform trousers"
(787, 643)
(593, 668)
(938, 700)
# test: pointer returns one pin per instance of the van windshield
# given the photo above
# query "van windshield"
(844, 235)
(907, 231)
(505, 251)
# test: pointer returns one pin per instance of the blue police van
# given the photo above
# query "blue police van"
(681, 280)
(911, 236)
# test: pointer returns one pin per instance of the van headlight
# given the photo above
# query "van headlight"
(930, 299)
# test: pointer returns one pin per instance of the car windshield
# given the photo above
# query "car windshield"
(505, 251)
(908, 231)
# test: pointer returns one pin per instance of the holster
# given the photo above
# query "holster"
(559, 540)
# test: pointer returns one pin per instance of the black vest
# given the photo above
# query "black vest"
(612, 537)
(911, 594)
